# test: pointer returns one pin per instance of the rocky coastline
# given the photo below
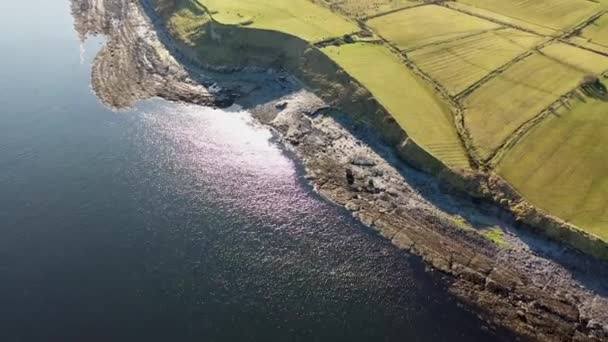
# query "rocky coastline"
(536, 288)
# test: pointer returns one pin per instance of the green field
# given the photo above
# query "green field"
(562, 167)
(552, 14)
(300, 18)
(424, 25)
(459, 64)
(497, 109)
(411, 102)
(366, 8)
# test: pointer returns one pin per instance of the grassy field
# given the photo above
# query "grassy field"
(597, 32)
(561, 166)
(552, 14)
(506, 20)
(459, 64)
(300, 18)
(418, 26)
(585, 61)
(497, 109)
(366, 8)
(579, 41)
(411, 102)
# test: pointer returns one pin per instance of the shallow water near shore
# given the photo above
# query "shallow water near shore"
(172, 222)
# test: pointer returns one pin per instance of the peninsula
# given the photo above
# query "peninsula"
(394, 106)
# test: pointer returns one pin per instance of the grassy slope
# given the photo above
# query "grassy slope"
(300, 18)
(553, 14)
(497, 109)
(561, 166)
(411, 102)
(187, 19)
(459, 64)
(426, 24)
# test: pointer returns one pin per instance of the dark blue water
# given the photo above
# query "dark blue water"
(176, 223)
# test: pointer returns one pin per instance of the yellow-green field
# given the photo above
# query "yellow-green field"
(553, 14)
(459, 64)
(504, 19)
(597, 32)
(411, 102)
(424, 25)
(366, 8)
(496, 110)
(300, 18)
(562, 166)
(584, 43)
(582, 60)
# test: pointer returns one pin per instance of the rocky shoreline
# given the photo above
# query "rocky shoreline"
(534, 287)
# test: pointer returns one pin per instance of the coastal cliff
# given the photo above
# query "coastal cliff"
(213, 45)
(538, 295)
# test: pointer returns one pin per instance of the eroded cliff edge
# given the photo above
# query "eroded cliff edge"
(534, 292)
(210, 44)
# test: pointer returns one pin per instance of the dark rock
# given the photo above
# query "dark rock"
(281, 105)
(350, 177)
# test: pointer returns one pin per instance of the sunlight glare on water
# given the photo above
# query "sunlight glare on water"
(227, 153)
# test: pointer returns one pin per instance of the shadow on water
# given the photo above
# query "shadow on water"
(481, 215)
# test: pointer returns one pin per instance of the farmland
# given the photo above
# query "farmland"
(597, 32)
(460, 63)
(488, 81)
(497, 109)
(368, 8)
(553, 14)
(565, 165)
(300, 18)
(424, 25)
(412, 102)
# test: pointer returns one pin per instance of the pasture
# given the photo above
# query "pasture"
(367, 8)
(561, 167)
(585, 61)
(597, 31)
(300, 18)
(460, 63)
(412, 102)
(500, 107)
(503, 19)
(423, 25)
(551, 14)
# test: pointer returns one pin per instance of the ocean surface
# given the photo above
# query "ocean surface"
(170, 222)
